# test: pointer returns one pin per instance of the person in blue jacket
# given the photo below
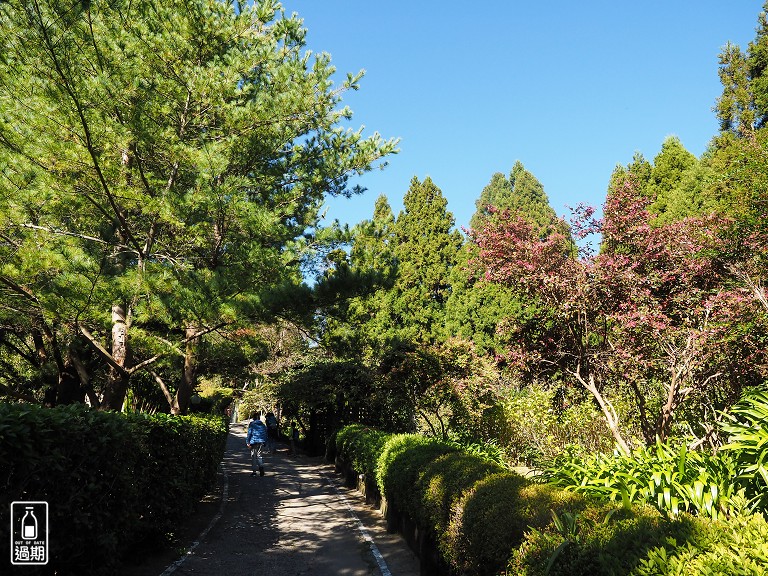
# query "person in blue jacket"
(255, 440)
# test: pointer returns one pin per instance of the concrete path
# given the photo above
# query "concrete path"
(296, 520)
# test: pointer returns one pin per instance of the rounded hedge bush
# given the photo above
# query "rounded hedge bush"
(442, 483)
(642, 542)
(398, 467)
(361, 447)
(494, 516)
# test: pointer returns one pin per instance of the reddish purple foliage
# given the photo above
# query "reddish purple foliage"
(654, 306)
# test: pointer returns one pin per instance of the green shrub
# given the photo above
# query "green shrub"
(640, 541)
(738, 546)
(536, 424)
(493, 517)
(489, 450)
(399, 465)
(442, 483)
(598, 541)
(361, 446)
(181, 454)
(110, 480)
(83, 463)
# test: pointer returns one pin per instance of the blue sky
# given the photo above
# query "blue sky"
(571, 89)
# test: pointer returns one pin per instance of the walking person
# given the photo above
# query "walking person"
(255, 440)
(294, 438)
(271, 433)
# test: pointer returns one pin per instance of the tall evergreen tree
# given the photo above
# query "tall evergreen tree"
(736, 106)
(743, 105)
(758, 68)
(670, 167)
(426, 251)
(520, 192)
(373, 247)
(475, 308)
(363, 323)
(677, 184)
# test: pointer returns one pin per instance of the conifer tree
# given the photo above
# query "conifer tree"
(475, 309)
(373, 248)
(362, 323)
(521, 192)
(677, 184)
(426, 251)
(670, 168)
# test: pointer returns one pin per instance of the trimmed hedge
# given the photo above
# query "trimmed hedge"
(427, 481)
(361, 446)
(111, 480)
(398, 469)
(494, 516)
(484, 519)
(179, 460)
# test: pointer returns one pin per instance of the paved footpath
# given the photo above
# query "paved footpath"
(298, 519)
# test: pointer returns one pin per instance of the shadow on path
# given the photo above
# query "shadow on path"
(292, 521)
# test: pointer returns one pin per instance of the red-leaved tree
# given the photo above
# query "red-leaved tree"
(653, 316)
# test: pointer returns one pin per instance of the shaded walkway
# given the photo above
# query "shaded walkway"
(293, 521)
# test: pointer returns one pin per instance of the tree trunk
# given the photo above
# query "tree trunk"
(611, 417)
(189, 376)
(118, 379)
(64, 388)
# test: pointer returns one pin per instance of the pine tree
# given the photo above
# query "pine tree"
(170, 157)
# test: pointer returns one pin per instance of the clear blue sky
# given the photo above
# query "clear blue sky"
(571, 89)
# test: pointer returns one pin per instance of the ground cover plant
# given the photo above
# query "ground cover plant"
(665, 475)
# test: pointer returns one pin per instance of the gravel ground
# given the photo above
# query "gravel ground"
(296, 520)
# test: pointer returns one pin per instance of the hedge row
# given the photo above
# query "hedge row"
(485, 520)
(113, 482)
(474, 510)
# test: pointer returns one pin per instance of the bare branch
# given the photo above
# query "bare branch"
(608, 410)
(164, 388)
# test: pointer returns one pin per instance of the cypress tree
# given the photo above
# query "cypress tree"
(426, 249)
(475, 308)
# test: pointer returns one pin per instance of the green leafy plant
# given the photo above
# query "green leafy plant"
(489, 450)
(747, 429)
(443, 482)
(739, 546)
(669, 477)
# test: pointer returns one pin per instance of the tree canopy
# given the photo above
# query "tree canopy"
(164, 161)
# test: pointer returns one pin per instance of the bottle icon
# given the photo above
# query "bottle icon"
(29, 525)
